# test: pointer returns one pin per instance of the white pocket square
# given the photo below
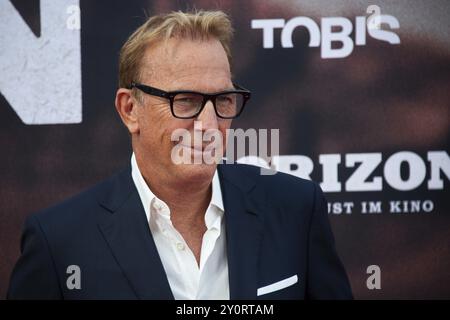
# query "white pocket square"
(277, 285)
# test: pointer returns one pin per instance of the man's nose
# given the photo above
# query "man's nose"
(208, 117)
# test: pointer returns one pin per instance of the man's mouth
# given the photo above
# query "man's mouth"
(200, 148)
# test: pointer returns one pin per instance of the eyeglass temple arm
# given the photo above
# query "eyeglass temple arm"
(149, 90)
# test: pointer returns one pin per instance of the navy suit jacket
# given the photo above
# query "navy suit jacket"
(276, 227)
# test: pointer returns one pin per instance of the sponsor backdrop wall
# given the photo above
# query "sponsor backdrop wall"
(359, 90)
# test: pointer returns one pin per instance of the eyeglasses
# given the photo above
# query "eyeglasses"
(185, 104)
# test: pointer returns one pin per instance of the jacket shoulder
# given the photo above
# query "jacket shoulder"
(270, 179)
(279, 187)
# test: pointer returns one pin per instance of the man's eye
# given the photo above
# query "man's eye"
(187, 100)
(225, 99)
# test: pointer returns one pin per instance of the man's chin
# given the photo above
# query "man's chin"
(194, 172)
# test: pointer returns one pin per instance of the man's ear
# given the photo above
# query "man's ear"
(126, 106)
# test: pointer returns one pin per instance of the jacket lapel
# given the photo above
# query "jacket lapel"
(244, 206)
(127, 233)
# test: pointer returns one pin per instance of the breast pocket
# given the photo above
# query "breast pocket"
(278, 287)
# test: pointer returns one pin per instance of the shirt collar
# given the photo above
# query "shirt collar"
(144, 191)
(216, 197)
(147, 195)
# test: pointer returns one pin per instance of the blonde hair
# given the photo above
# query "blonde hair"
(199, 25)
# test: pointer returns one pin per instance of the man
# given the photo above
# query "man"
(161, 229)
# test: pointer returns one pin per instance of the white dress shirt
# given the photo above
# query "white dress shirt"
(188, 280)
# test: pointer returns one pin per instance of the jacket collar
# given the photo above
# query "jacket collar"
(244, 217)
(127, 233)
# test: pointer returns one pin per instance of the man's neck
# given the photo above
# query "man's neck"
(186, 199)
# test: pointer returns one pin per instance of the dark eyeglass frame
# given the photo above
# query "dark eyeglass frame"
(170, 95)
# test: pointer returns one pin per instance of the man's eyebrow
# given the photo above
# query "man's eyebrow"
(228, 88)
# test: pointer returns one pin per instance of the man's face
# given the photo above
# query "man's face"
(179, 65)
